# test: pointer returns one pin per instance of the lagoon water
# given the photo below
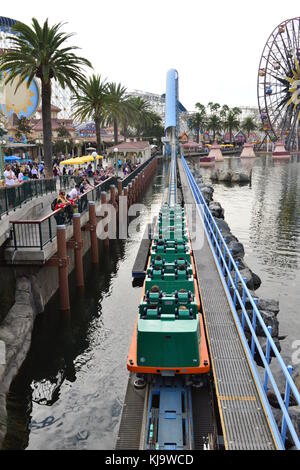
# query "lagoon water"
(265, 217)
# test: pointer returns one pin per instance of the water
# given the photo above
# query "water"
(70, 390)
(265, 217)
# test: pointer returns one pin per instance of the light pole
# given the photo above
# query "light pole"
(2, 142)
(66, 143)
(116, 150)
(77, 145)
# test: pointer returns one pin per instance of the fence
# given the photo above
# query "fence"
(13, 198)
(38, 233)
(135, 172)
(242, 300)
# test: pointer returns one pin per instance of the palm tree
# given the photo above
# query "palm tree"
(214, 124)
(214, 107)
(138, 115)
(90, 103)
(118, 106)
(231, 122)
(40, 51)
(199, 120)
(249, 125)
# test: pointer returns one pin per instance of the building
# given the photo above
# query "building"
(57, 124)
(132, 150)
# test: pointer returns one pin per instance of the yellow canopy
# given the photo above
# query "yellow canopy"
(70, 161)
(80, 160)
(90, 158)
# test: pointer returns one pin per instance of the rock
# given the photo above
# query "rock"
(269, 319)
(256, 281)
(216, 209)
(297, 381)
(245, 178)
(247, 275)
(235, 178)
(274, 402)
(269, 304)
(237, 249)
(263, 343)
(223, 226)
(294, 412)
(225, 176)
(207, 192)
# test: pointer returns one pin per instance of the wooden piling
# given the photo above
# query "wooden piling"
(78, 245)
(63, 274)
(93, 234)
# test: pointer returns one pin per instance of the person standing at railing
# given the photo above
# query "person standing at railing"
(10, 181)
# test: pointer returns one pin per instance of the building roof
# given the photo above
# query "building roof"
(54, 109)
(131, 147)
(37, 124)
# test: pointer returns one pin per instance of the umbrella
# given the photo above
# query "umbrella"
(90, 158)
(12, 158)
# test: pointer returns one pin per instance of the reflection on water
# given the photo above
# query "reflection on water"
(70, 390)
(266, 218)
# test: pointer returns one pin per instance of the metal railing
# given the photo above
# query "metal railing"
(241, 297)
(11, 198)
(134, 173)
(38, 233)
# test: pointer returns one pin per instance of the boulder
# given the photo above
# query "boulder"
(237, 249)
(223, 226)
(256, 281)
(207, 192)
(216, 209)
(235, 178)
(244, 178)
(269, 304)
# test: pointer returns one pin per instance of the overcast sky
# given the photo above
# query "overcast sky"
(214, 44)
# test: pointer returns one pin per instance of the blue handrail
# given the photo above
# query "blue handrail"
(227, 264)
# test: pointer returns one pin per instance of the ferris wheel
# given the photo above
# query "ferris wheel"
(278, 85)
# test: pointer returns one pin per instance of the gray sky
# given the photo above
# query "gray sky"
(214, 44)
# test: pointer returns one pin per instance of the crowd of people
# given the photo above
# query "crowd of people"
(16, 174)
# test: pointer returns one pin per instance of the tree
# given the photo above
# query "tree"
(198, 123)
(23, 128)
(214, 107)
(138, 115)
(90, 103)
(152, 127)
(62, 132)
(40, 51)
(214, 124)
(231, 122)
(118, 106)
(249, 125)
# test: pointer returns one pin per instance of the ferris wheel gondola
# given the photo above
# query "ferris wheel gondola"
(278, 84)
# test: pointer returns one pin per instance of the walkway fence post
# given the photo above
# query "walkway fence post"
(78, 245)
(103, 202)
(63, 268)
(93, 234)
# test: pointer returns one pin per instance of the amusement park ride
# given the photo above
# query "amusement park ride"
(278, 85)
(60, 97)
